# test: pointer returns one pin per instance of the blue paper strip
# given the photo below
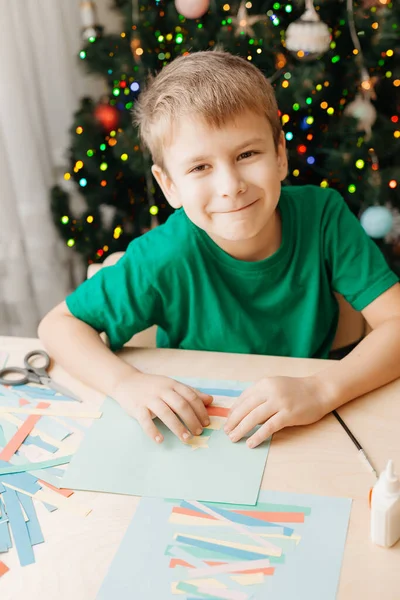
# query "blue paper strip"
(35, 440)
(24, 481)
(220, 392)
(3, 441)
(234, 517)
(34, 530)
(5, 538)
(53, 428)
(236, 552)
(18, 528)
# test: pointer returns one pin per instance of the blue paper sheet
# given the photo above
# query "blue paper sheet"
(308, 569)
(117, 456)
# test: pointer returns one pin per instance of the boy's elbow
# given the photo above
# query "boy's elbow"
(50, 320)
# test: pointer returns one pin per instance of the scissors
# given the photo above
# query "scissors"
(34, 374)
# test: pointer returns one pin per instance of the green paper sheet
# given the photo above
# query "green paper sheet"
(116, 456)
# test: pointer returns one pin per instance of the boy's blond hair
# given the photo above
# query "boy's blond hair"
(213, 85)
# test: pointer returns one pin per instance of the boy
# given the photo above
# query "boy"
(243, 266)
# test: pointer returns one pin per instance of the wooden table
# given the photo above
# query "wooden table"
(317, 459)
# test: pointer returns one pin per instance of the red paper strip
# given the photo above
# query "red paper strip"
(21, 435)
(217, 411)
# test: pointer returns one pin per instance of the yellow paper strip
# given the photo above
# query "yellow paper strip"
(249, 579)
(50, 412)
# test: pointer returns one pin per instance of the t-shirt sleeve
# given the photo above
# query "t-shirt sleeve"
(119, 300)
(358, 269)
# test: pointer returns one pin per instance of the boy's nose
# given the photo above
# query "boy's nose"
(230, 184)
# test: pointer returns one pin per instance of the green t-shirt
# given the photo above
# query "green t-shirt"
(201, 298)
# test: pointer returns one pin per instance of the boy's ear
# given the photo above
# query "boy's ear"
(283, 164)
(167, 186)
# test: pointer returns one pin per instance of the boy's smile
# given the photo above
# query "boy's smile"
(228, 180)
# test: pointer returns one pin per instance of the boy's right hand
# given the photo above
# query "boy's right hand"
(145, 397)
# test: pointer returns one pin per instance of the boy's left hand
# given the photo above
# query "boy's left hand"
(274, 403)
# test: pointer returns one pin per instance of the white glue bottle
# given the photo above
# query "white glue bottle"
(385, 508)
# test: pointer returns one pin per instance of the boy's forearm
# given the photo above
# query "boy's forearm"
(78, 348)
(373, 363)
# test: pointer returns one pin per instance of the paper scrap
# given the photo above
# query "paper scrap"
(3, 568)
(34, 530)
(58, 411)
(35, 466)
(18, 528)
(22, 433)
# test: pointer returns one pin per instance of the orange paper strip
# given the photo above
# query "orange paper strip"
(217, 411)
(274, 517)
(63, 491)
(23, 402)
(21, 434)
(3, 568)
(191, 513)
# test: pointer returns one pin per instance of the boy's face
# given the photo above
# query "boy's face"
(228, 181)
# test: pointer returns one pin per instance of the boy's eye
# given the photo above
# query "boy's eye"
(198, 169)
(247, 154)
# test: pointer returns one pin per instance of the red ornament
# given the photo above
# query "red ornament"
(107, 116)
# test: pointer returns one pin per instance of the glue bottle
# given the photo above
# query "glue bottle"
(385, 508)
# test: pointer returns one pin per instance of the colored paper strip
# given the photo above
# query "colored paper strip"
(3, 568)
(18, 528)
(254, 566)
(36, 440)
(52, 412)
(36, 430)
(281, 517)
(34, 530)
(217, 411)
(21, 434)
(34, 466)
(272, 548)
(227, 550)
(5, 538)
(63, 491)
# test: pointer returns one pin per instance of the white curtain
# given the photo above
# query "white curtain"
(40, 84)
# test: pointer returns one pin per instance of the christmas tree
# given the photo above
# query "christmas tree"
(336, 72)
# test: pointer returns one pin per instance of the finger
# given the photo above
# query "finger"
(256, 417)
(162, 410)
(146, 422)
(274, 424)
(184, 410)
(241, 411)
(243, 396)
(197, 403)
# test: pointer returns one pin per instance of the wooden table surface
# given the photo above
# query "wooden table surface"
(315, 459)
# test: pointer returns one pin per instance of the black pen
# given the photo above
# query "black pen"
(357, 444)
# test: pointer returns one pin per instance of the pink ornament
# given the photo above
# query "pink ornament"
(192, 9)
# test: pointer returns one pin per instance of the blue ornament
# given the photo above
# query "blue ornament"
(377, 221)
